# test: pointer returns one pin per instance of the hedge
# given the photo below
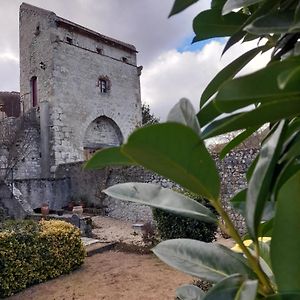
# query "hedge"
(33, 252)
(171, 226)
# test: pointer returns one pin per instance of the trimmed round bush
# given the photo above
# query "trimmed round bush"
(172, 226)
(33, 252)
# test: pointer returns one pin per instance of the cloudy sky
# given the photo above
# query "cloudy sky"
(172, 68)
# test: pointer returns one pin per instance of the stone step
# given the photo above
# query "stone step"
(94, 246)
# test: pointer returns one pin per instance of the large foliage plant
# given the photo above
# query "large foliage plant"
(176, 150)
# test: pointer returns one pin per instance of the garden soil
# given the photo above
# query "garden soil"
(111, 276)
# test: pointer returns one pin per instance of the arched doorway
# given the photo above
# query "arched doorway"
(103, 132)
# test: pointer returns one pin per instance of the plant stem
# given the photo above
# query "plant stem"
(253, 261)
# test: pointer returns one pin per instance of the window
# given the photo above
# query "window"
(125, 59)
(69, 40)
(34, 91)
(103, 86)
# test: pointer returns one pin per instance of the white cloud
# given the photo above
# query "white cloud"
(175, 75)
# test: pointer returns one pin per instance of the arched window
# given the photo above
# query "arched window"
(34, 91)
(104, 84)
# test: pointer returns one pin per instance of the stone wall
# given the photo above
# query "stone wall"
(38, 191)
(90, 183)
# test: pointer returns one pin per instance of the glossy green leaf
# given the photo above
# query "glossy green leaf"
(265, 7)
(189, 292)
(247, 290)
(180, 5)
(211, 23)
(207, 261)
(285, 237)
(278, 21)
(156, 196)
(265, 229)
(251, 168)
(228, 73)
(285, 296)
(207, 113)
(297, 14)
(183, 112)
(217, 4)
(237, 140)
(239, 92)
(289, 170)
(288, 75)
(108, 157)
(292, 152)
(259, 184)
(230, 5)
(238, 201)
(176, 152)
(234, 287)
(270, 112)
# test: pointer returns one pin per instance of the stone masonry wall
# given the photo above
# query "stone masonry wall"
(38, 191)
(90, 183)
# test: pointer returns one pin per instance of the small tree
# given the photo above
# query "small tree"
(148, 117)
(16, 139)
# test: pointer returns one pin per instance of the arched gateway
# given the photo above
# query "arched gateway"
(103, 132)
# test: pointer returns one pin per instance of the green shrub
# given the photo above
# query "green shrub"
(171, 226)
(34, 252)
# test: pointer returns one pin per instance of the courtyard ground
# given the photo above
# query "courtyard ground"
(111, 276)
(114, 275)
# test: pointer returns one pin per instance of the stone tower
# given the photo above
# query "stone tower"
(84, 85)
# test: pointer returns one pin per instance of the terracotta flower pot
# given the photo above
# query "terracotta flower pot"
(45, 209)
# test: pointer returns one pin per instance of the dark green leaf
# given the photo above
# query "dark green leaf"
(176, 152)
(297, 14)
(292, 152)
(217, 4)
(237, 140)
(265, 7)
(234, 287)
(207, 261)
(286, 266)
(288, 75)
(156, 196)
(249, 37)
(108, 157)
(208, 113)
(228, 73)
(180, 5)
(289, 170)
(234, 4)
(269, 112)
(239, 92)
(259, 184)
(278, 21)
(211, 23)
(183, 112)
(265, 229)
(251, 168)
(189, 292)
(238, 201)
(286, 296)
(235, 38)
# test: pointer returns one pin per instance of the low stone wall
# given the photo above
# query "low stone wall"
(232, 170)
(55, 192)
(71, 180)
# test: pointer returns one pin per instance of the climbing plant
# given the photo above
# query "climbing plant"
(176, 150)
